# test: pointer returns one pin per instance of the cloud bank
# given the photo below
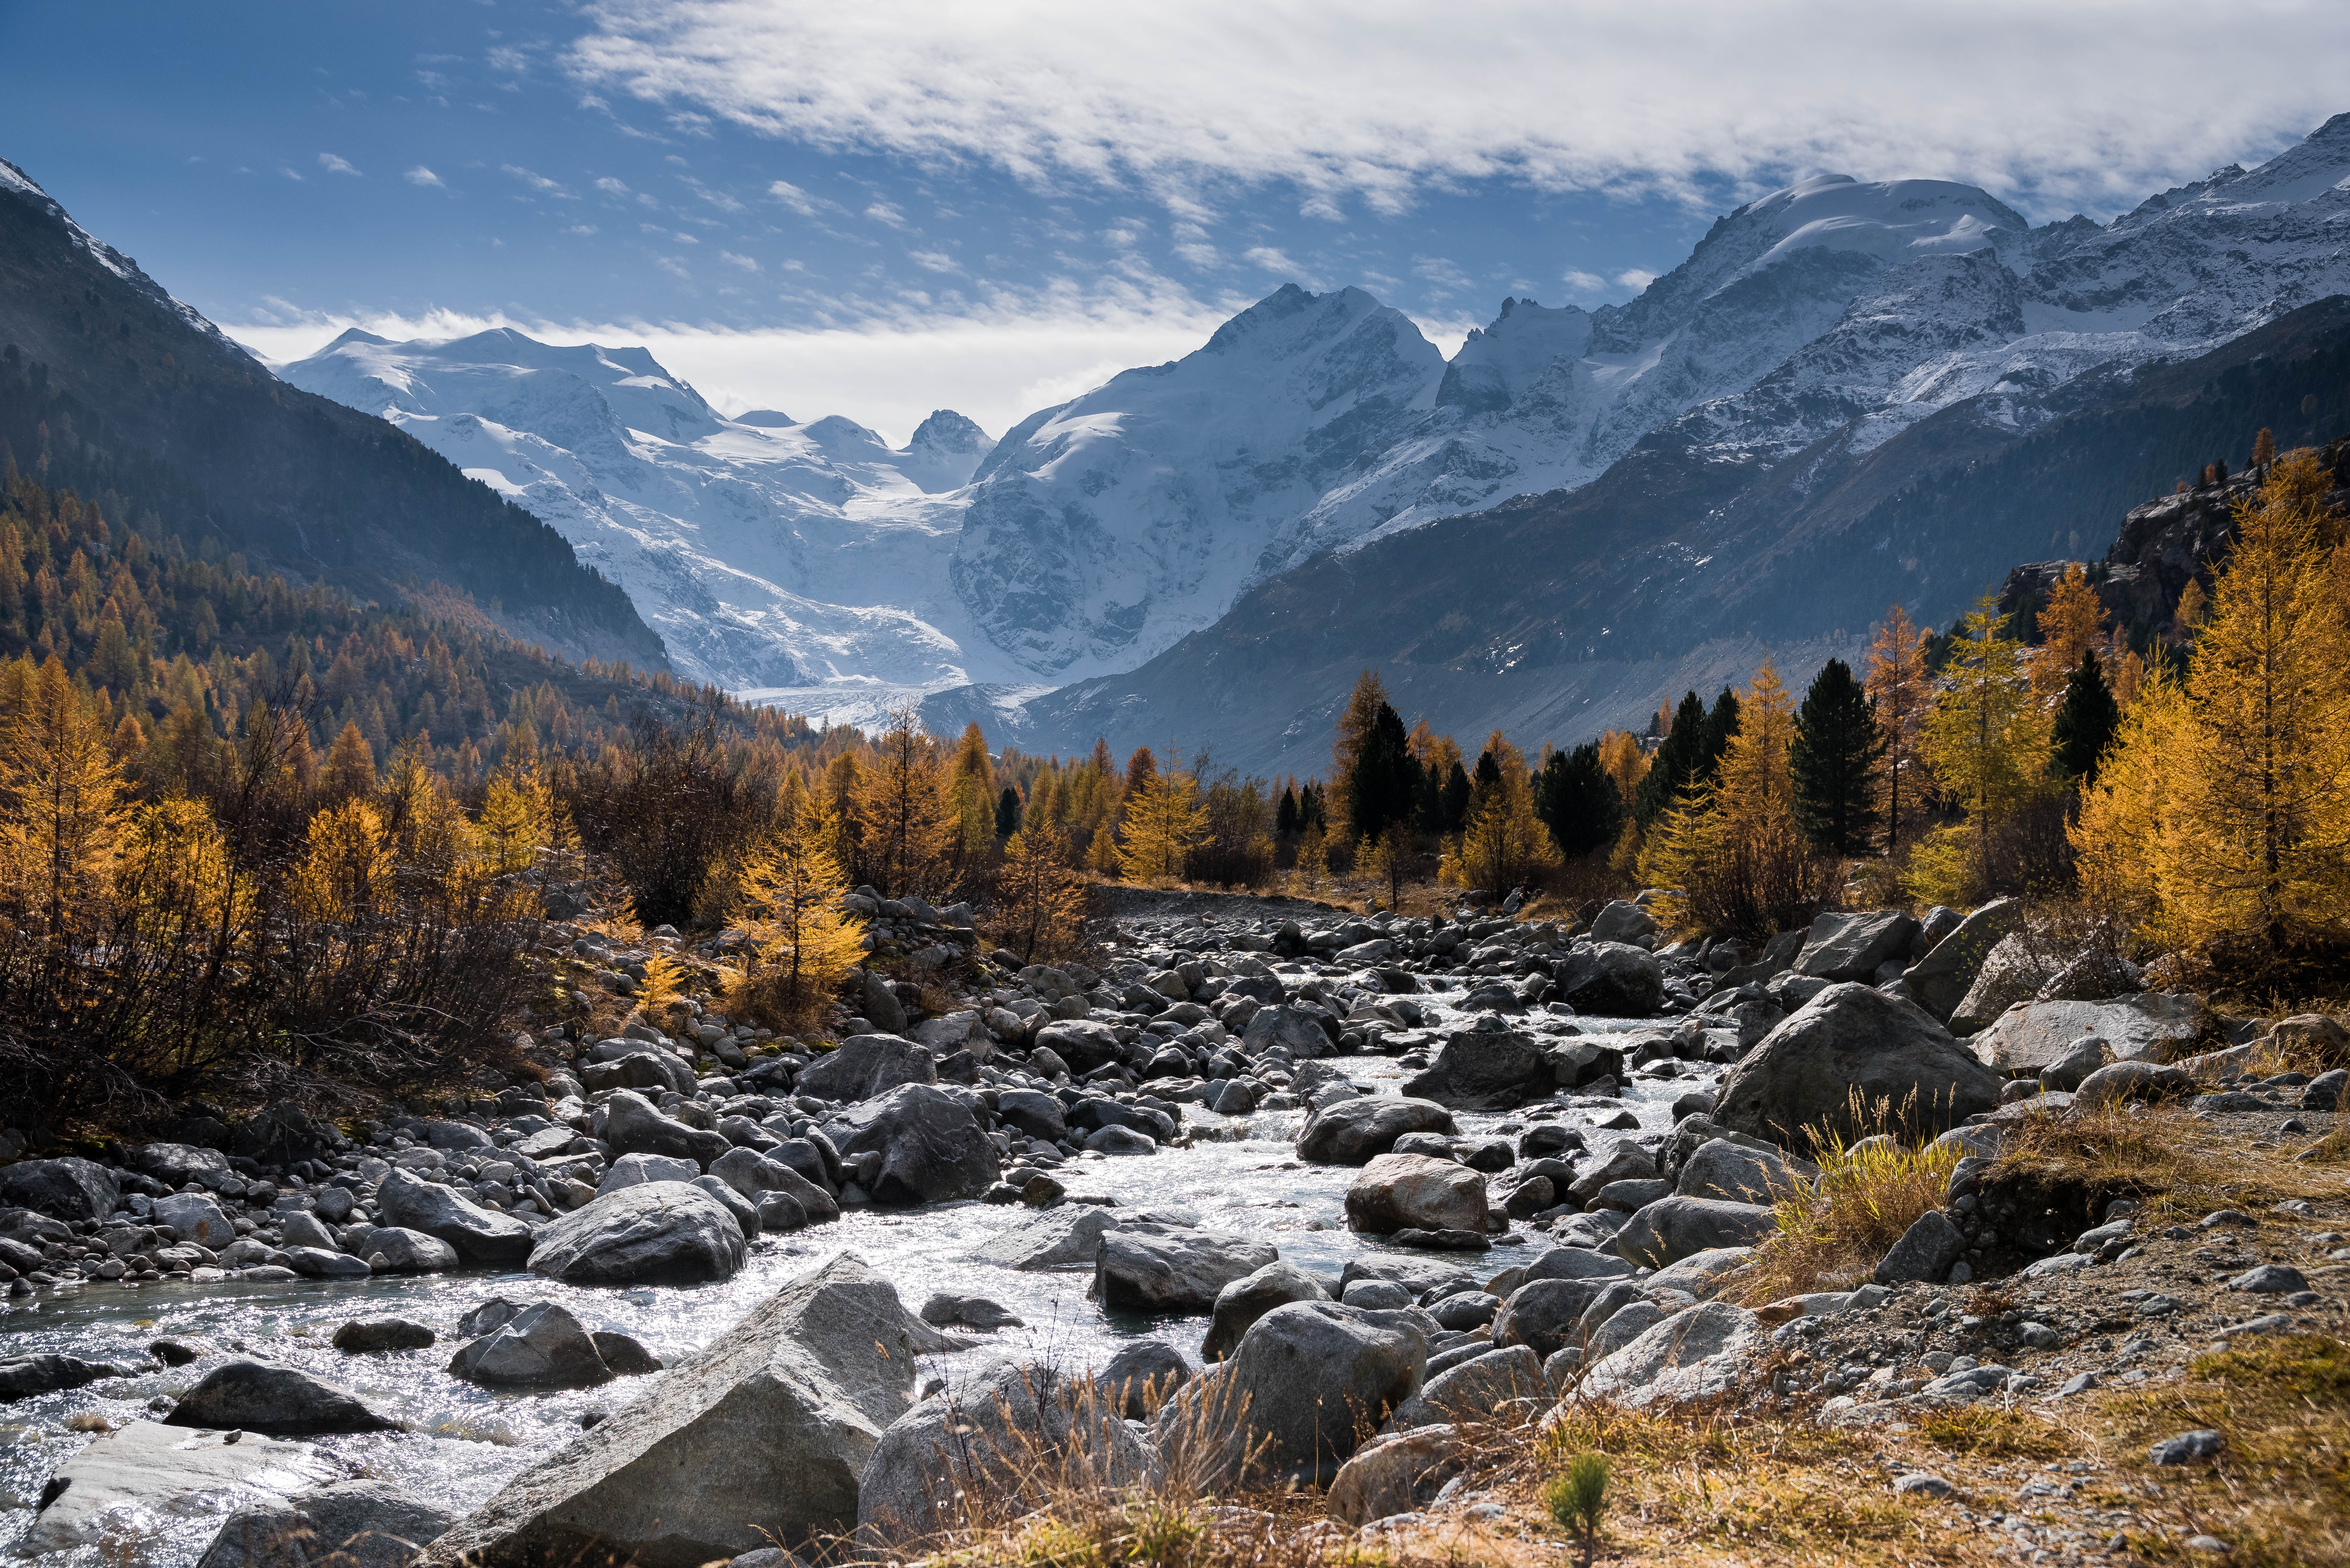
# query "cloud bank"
(2089, 104)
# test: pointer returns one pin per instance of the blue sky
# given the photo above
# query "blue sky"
(878, 210)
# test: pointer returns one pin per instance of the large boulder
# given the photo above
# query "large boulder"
(1143, 1376)
(1546, 1316)
(1064, 1237)
(480, 1235)
(1471, 1390)
(540, 1346)
(1671, 1229)
(1853, 947)
(660, 1233)
(196, 1218)
(932, 1147)
(1397, 1473)
(1080, 1043)
(175, 1165)
(150, 1471)
(1940, 981)
(2149, 1026)
(406, 1251)
(1294, 1028)
(1172, 1269)
(2012, 972)
(1611, 980)
(1695, 1354)
(1854, 1040)
(999, 1438)
(634, 1125)
(1354, 1131)
(1721, 1168)
(277, 1400)
(753, 1175)
(1486, 1070)
(1413, 1192)
(351, 1524)
(758, 1440)
(1249, 1298)
(66, 1189)
(865, 1065)
(1308, 1381)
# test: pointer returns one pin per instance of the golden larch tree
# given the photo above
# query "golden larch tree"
(1986, 741)
(62, 806)
(802, 944)
(907, 829)
(1504, 843)
(1735, 856)
(1165, 821)
(2071, 624)
(1899, 689)
(1040, 903)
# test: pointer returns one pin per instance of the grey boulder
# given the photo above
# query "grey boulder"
(1143, 1376)
(540, 1346)
(351, 1524)
(480, 1235)
(276, 1400)
(1294, 1028)
(1611, 980)
(753, 1175)
(67, 1188)
(1239, 1304)
(931, 1145)
(1413, 1192)
(1721, 1168)
(1355, 1131)
(1853, 947)
(1173, 1270)
(1671, 1229)
(2148, 1026)
(2012, 972)
(1472, 1391)
(773, 1424)
(1925, 1252)
(1307, 1381)
(634, 1124)
(661, 1232)
(1699, 1353)
(1854, 1041)
(865, 1065)
(1940, 981)
(406, 1252)
(1485, 1070)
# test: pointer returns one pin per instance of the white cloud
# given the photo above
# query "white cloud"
(1584, 282)
(420, 175)
(747, 264)
(1270, 259)
(1635, 279)
(1439, 271)
(538, 183)
(792, 196)
(2047, 105)
(334, 165)
(612, 187)
(933, 261)
(997, 365)
(885, 213)
(580, 229)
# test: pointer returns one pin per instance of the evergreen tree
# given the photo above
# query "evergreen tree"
(1675, 766)
(1577, 801)
(1720, 726)
(1455, 798)
(1382, 785)
(1834, 760)
(1007, 812)
(2086, 722)
(1285, 816)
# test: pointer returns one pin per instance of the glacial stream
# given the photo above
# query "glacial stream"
(461, 1442)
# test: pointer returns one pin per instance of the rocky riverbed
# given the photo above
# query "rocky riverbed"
(1459, 1162)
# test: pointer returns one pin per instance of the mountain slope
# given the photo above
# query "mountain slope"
(1556, 616)
(807, 562)
(296, 483)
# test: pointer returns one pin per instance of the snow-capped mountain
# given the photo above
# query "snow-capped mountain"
(807, 559)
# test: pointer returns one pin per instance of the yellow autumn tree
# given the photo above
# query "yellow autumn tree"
(350, 765)
(2071, 624)
(62, 809)
(1735, 857)
(970, 796)
(2237, 787)
(1897, 688)
(1165, 821)
(1987, 743)
(521, 819)
(904, 811)
(1504, 843)
(1313, 859)
(1622, 760)
(803, 945)
(348, 858)
(1040, 903)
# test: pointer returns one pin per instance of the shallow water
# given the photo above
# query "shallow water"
(462, 1442)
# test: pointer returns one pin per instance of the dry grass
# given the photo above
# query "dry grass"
(1832, 1233)
(1993, 1432)
(2159, 1155)
(2280, 1491)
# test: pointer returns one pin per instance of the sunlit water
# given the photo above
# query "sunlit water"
(462, 1442)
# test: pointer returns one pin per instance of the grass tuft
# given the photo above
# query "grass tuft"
(1833, 1232)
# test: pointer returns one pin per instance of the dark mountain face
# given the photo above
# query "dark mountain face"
(230, 458)
(1556, 616)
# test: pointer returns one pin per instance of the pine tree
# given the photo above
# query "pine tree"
(1284, 816)
(1353, 732)
(2086, 722)
(1007, 812)
(1382, 783)
(1833, 761)
(1165, 821)
(1039, 902)
(1675, 766)
(1455, 798)
(1896, 685)
(1577, 801)
(1720, 725)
